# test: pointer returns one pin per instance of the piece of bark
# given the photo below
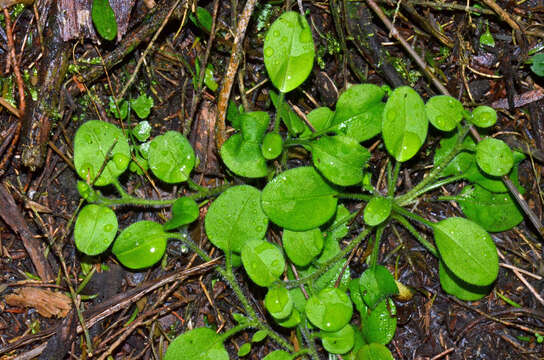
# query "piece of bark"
(40, 115)
(520, 100)
(11, 215)
(202, 138)
(48, 303)
(59, 345)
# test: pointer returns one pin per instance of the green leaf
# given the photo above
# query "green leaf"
(355, 295)
(374, 352)
(404, 126)
(140, 245)
(142, 131)
(138, 165)
(86, 192)
(494, 157)
(244, 158)
(259, 336)
(299, 199)
(244, 349)
(184, 211)
(278, 302)
(492, 183)
(254, 125)
(233, 114)
(92, 142)
(329, 278)
(263, 261)
(377, 210)
(494, 212)
(359, 342)
(321, 118)
(122, 113)
(239, 318)
(203, 19)
(235, 218)
(289, 51)
(272, 146)
(95, 229)
(340, 159)
(487, 39)
(484, 116)
(291, 120)
(336, 230)
(444, 112)
(375, 284)
(302, 246)
(467, 250)
(359, 112)
(538, 64)
(339, 342)
(292, 320)
(278, 355)
(171, 157)
(104, 19)
(459, 288)
(330, 310)
(200, 343)
(460, 163)
(142, 105)
(379, 325)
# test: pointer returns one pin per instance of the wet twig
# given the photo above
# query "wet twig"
(230, 75)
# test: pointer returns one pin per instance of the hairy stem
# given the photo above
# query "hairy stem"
(406, 224)
(231, 280)
(329, 264)
(406, 198)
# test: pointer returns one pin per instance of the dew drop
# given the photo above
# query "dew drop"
(108, 227)
(268, 51)
(276, 33)
(152, 250)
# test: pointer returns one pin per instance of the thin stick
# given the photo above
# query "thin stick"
(235, 57)
(147, 49)
(523, 280)
(394, 32)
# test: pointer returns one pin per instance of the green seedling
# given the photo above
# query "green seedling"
(314, 294)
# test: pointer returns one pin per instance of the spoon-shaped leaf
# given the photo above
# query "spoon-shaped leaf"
(235, 218)
(95, 229)
(340, 159)
(104, 19)
(467, 250)
(494, 157)
(92, 142)
(171, 157)
(299, 199)
(289, 51)
(459, 288)
(200, 343)
(263, 261)
(140, 245)
(405, 124)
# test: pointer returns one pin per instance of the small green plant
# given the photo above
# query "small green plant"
(317, 293)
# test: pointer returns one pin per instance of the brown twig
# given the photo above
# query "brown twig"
(147, 49)
(198, 89)
(20, 88)
(230, 75)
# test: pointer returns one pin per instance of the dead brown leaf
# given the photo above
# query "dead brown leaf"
(47, 302)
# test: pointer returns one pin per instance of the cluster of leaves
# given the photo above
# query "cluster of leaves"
(317, 293)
